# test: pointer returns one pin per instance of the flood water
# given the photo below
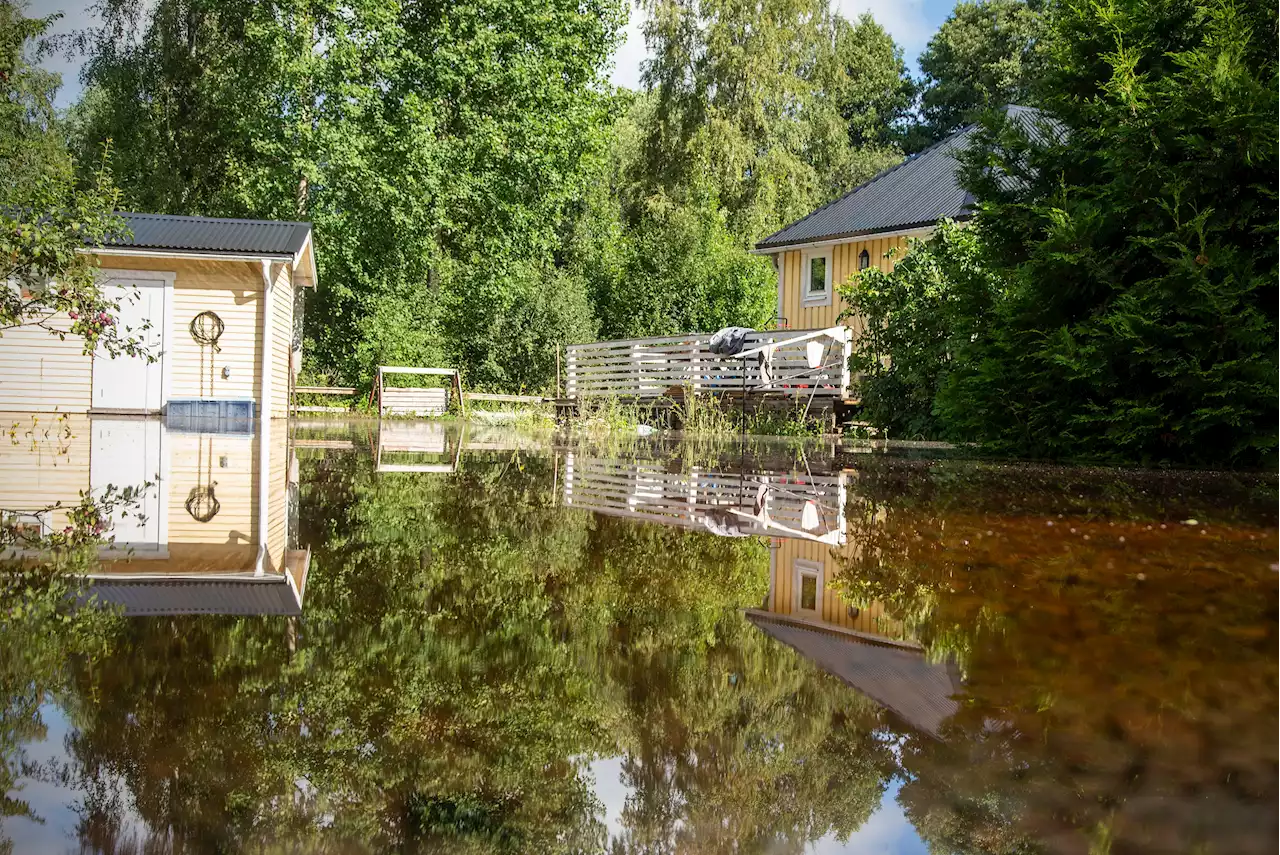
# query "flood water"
(438, 639)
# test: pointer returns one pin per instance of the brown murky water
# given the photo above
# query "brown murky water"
(430, 639)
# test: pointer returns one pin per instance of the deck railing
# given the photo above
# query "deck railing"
(791, 363)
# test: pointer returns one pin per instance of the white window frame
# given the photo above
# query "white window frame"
(809, 296)
(804, 567)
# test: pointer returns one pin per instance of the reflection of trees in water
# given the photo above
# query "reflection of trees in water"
(466, 648)
(1120, 665)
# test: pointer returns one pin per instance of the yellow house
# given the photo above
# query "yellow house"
(214, 300)
(818, 253)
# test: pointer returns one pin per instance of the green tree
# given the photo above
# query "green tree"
(434, 146)
(912, 320)
(45, 219)
(985, 55)
(1138, 243)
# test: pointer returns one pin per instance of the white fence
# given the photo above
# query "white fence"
(416, 400)
(792, 363)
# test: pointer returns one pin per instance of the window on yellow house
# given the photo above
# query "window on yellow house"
(817, 277)
(864, 260)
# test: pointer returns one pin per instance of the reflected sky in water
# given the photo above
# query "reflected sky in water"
(425, 638)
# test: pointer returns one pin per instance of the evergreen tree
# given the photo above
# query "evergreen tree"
(1137, 243)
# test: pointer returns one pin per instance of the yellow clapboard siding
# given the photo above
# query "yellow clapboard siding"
(844, 260)
(869, 618)
(197, 369)
(38, 371)
(281, 341)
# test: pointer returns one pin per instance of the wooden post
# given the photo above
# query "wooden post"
(557, 370)
(457, 385)
(847, 351)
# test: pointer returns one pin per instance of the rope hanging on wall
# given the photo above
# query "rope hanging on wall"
(202, 504)
(207, 328)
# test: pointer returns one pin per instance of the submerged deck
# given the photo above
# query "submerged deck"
(808, 366)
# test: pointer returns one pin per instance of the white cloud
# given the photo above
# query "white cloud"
(905, 20)
(626, 63)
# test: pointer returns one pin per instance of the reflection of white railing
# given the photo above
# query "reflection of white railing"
(420, 439)
(773, 504)
(790, 363)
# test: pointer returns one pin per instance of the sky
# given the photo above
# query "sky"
(910, 22)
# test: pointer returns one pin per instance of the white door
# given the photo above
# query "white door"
(130, 453)
(131, 382)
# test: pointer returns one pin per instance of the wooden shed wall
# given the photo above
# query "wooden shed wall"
(281, 341)
(42, 373)
(844, 263)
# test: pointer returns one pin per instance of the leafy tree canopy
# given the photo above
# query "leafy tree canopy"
(985, 55)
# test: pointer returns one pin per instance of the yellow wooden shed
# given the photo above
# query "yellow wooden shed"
(219, 298)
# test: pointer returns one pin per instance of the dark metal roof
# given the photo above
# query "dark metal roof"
(920, 191)
(140, 597)
(214, 235)
(896, 678)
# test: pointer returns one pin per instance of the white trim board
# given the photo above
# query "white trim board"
(923, 231)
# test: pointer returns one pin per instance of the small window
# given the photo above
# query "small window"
(808, 587)
(808, 592)
(864, 260)
(817, 277)
(27, 526)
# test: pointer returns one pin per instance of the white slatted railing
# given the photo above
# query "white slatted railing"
(795, 363)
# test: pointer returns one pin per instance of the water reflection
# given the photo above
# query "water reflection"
(658, 646)
(209, 532)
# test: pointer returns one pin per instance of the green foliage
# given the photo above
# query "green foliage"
(435, 148)
(753, 116)
(1139, 245)
(45, 220)
(913, 319)
(1115, 298)
(985, 55)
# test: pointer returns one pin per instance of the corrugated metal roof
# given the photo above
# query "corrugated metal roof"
(917, 192)
(140, 597)
(214, 235)
(899, 680)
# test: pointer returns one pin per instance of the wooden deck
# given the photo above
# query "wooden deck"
(804, 365)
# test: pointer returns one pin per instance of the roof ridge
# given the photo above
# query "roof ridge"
(203, 219)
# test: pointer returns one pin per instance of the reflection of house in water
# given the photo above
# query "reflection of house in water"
(803, 514)
(210, 534)
(863, 646)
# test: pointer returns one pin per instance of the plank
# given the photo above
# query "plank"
(437, 372)
(324, 390)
